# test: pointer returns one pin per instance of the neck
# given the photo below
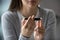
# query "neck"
(26, 11)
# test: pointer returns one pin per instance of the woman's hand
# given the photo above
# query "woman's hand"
(28, 26)
(39, 30)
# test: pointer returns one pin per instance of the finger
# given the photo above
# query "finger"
(40, 23)
(33, 22)
(30, 23)
(33, 17)
(36, 28)
(28, 19)
(36, 31)
(26, 23)
(36, 23)
(23, 21)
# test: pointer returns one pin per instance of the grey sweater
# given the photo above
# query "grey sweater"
(11, 25)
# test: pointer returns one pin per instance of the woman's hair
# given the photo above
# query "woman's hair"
(15, 5)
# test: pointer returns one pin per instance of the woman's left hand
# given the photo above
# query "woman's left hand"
(39, 31)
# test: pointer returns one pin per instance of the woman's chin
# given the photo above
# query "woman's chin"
(32, 6)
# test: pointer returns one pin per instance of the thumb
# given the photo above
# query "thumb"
(38, 23)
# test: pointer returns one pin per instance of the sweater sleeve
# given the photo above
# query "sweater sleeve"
(7, 21)
(51, 26)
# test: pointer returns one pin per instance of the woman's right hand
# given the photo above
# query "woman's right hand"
(27, 26)
(39, 30)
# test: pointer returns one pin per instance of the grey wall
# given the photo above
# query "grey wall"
(52, 4)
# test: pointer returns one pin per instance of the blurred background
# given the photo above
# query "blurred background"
(50, 4)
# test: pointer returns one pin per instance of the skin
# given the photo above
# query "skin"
(38, 35)
(29, 9)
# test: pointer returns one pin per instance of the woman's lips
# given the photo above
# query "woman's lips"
(32, 1)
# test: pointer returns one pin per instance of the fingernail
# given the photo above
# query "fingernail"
(29, 16)
(32, 15)
(40, 23)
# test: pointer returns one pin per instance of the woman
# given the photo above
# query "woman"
(15, 27)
